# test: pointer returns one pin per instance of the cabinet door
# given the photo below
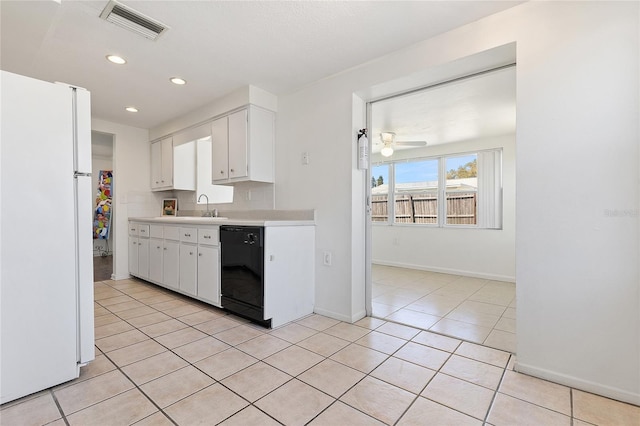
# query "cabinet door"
(155, 260)
(238, 161)
(171, 263)
(209, 274)
(220, 150)
(167, 162)
(156, 164)
(133, 255)
(188, 268)
(143, 257)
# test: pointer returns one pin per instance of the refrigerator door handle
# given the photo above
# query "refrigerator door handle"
(81, 100)
(84, 269)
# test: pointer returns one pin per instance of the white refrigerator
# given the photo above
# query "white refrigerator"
(46, 257)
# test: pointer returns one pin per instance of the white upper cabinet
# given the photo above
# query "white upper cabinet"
(173, 165)
(162, 164)
(242, 146)
(220, 149)
(238, 145)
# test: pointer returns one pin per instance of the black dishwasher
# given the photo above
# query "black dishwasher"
(242, 275)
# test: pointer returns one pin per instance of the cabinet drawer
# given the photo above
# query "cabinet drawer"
(143, 230)
(155, 231)
(171, 233)
(133, 229)
(189, 235)
(210, 236)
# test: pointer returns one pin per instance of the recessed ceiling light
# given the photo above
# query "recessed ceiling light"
(177, 80)
(116, 59)
(131, 109)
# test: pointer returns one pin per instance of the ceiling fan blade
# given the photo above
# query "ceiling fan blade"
(410, 143)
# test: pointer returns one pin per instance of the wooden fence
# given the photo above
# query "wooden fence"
(423, 208)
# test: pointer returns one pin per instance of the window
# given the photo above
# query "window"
(459, 190)
(416, 191)
(379, 193)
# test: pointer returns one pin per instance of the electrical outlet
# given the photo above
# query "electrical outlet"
(326, 258)
(305, 158)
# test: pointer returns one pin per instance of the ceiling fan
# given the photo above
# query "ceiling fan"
(389, 142)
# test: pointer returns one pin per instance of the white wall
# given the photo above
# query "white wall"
(577, 107)
(482, 253)
(132, 186)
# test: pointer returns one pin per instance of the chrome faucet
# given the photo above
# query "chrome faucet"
(207, 213)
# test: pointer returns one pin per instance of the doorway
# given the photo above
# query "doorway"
(442, 202)
(103, 187)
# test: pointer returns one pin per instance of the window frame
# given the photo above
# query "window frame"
(442, 191)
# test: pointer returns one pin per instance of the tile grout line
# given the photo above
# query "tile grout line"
(139, 389)
(495, 392)
(486, 282)
(369, 331)
(215, 381)
(328, 357)
(55, 399)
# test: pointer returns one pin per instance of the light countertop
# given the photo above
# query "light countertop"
(193, 220)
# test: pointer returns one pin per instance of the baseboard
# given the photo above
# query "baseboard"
(358, 316)
(473, 274)
(577, 383)
(332, 314)
(120, 277)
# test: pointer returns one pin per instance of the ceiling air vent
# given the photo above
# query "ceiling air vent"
(127, 18)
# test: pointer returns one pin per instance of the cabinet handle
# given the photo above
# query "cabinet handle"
(158, 247)
(187, 235)
(190, 253)
(165, 248)
(231, 170)
(199, 254)
(221, 172)
(207, 236)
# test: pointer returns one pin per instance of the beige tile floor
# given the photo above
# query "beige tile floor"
(163, 359)
(472, 309)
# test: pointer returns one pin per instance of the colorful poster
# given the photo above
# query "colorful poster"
(102, 214)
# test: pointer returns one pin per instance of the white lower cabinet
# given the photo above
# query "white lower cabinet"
(170, 264)
(209, 274)
(133, 256)
(188, 268)
(143, 257)
(139, 250)
(182, 258)
(156, 254)
(187, 259)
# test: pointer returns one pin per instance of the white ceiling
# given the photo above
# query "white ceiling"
(470, 108)
(217, 46)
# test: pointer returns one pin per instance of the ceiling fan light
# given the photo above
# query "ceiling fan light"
(386, 151)
(387, 137)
